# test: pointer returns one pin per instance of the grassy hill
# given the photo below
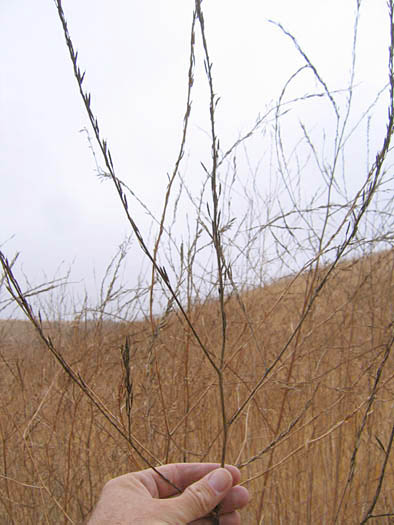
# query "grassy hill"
(311, 442)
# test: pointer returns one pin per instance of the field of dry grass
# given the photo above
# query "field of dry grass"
(291, 381)
(311, 443)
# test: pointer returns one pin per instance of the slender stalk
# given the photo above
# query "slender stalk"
(177, 162)
(371, 399)
(368, 515)
(215, 227)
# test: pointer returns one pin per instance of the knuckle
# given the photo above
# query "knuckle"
(200, 499)
(111, 485)
(114, 484)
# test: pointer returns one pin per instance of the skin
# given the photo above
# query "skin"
(144, 498)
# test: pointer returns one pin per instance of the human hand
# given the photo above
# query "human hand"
(141, 497)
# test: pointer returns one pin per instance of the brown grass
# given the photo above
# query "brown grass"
(293, 382)
(294, 441)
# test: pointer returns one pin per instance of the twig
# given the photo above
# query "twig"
(368, 515)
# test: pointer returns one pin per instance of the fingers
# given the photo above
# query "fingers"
(228, 519)
(237, 498)
(201, 497)
(182, 475)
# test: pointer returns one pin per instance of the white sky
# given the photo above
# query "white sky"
(52, 206)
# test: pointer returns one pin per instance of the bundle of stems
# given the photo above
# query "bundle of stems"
(342, 228)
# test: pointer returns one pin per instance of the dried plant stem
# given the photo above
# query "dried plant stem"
(274, 378)
(128, 383)
(86, 97)
(280, 437)
(177, 163)
(215, 227)
(371, 399)
(368, 514)
(360, 205)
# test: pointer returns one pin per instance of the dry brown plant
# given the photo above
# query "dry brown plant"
(291, 380)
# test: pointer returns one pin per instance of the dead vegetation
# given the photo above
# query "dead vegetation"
(292, 380)
(294, 441)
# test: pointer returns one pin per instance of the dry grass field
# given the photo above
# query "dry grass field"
(311, 443)
(292, 381)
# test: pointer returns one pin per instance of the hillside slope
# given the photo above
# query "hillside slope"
(311, 441)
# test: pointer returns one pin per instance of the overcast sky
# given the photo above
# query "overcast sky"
(53, 208)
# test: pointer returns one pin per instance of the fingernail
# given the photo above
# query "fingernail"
(219, 480)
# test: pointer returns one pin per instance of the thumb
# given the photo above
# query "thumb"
(201, 498)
